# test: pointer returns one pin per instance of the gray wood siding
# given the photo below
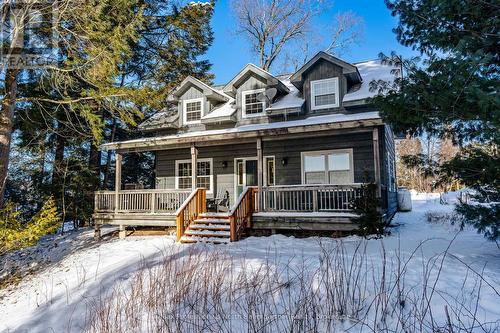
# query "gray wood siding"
(388, 174)
(192, 93)
(319, 71)
(288, 174)
(223, 177)
(252, 82)
(291, 150)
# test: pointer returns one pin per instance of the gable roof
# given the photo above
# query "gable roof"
(205, 88)
(347, 68)
(271, 79)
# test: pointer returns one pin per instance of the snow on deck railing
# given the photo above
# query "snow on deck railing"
(308, 198)
(140, 201)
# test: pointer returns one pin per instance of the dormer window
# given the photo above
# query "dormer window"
(251, 105)
(193, 110)
(325, 94)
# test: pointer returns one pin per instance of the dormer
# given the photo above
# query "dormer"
(323, 81)
(195, 100)
(248, 87)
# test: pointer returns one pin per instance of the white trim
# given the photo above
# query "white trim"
(327, 171)
(265, 169)
(202, 110)
(244, 107)
(244, 159)
(211, 160)
(252, 158)
(327, 106)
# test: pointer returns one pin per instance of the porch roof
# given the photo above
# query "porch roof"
(310, 124)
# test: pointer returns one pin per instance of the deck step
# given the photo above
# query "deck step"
(211, 221)
(215, 215)
(207, 233)
(209, 228)
(196, 239)
(222, 227)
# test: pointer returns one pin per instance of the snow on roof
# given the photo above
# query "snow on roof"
(225, 110)
(199, 3)
(313, 120)
(369, 70)
(162, 119)
(291, 100)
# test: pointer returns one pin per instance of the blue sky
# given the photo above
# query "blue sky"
(229, 52)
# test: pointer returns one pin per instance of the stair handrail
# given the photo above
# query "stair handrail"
(190, 209)
(240, 215)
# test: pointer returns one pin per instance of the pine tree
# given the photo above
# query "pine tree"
(454, 93)
(16, 233)
(369, 221)
(139, 51)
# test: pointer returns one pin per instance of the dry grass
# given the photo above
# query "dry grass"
(212, 291)
(441, 217)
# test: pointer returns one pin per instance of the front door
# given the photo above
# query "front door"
(246, 174)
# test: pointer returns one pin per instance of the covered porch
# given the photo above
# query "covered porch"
(264, 171)
(301, 207)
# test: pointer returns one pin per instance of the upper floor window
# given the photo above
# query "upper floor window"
(193, 110)
(325, 94)
(251, 105)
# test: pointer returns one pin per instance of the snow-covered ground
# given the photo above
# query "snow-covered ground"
(78, 273)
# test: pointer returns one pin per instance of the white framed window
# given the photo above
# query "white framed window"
(204, 174)
(325, 94)
(328, 167)
(250, 104)
(192, 110)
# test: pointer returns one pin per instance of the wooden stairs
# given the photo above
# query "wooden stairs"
(209, 228)
(195, 225)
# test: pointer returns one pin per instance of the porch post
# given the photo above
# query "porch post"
(376, 161)
(194, 165)
(118, 178)
(260, 173)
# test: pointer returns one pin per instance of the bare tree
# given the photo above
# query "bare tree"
(271, 24)
(282, 27)
(347, 30)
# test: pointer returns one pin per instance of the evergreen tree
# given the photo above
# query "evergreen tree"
(454, 93)
(117, 62)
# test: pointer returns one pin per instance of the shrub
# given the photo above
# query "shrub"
(16, 234)
(367, 206)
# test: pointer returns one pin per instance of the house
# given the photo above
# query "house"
(291, 151)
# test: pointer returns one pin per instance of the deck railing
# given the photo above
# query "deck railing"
(308, 198)
(240, 215)
(192, 207)
(140, 201)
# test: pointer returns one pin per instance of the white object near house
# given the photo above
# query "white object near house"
(404, 199)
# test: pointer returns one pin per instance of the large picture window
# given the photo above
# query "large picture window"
(328, 167)
(325, 94)
(193, 110)
(251, 105)
(204, 174)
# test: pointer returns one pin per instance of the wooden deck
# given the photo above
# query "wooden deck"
(291, 207)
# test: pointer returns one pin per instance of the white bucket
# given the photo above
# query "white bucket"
(404, 199)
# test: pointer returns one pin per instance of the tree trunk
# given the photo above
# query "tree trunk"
(108, 159)
(6, 125)
(58, 157)
(95, 159)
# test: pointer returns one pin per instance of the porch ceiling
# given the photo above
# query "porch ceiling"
(247, 132)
